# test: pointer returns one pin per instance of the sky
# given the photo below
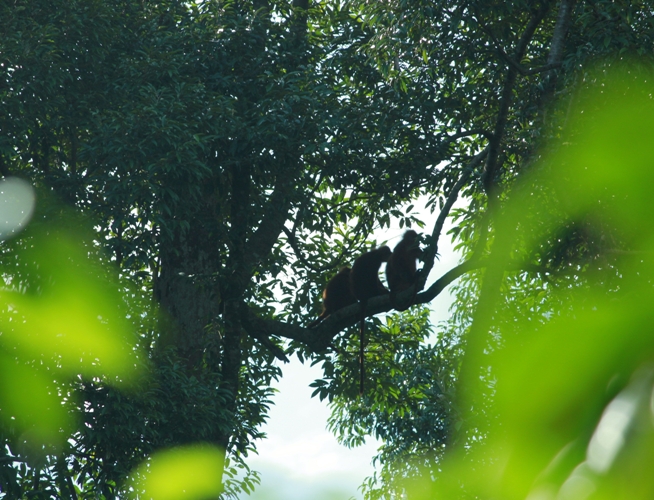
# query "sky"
(301, 459)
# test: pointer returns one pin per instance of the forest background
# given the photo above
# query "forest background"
(201, 170)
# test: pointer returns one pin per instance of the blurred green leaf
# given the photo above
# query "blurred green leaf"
(187, 473)
(29, 398)
(557, 421)
(71, 317)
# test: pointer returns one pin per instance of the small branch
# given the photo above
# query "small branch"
(71, 487)
(515, 65)
(277, 351)
(551, 64)
(526, 37)
(335, 262)
(470, 265)
(292, 240)
(431, 252)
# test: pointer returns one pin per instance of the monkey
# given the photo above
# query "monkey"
(336, 295)
(365, 284)
(401, 272)
(364, 278)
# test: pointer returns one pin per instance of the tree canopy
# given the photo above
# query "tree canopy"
(231, 156)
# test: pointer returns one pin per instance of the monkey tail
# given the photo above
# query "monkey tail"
(362, 331)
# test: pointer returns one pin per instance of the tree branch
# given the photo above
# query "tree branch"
(560, 32)
(555, 56)
(467, 133)
(264, 238)
(320, 338)
(431, 252)
(527, 72)
(238, 220)
(435, 289)
(519, 67)
(256, 332)
(271, 226)
(335, 262)
(490, 172)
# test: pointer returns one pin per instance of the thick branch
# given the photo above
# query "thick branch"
(264, 238)
(232, 359)
(434, 291)
(271, 226)
(238, 220)
(318, 339)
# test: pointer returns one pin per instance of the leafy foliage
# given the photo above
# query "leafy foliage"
(407, 404)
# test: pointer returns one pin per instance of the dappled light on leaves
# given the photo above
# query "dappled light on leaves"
(189, 473)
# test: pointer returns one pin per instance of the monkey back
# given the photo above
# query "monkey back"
(364, 277)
